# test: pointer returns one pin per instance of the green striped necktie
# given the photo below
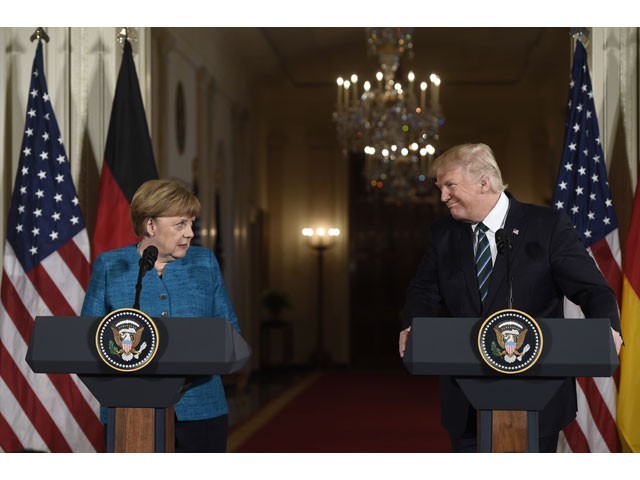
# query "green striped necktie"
(484, 265)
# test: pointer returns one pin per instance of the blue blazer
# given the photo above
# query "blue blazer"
(190, 287)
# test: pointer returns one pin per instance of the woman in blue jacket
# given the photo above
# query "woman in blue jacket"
(186, 282)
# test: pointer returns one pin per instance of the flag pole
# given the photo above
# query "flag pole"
(580, 33)
(126, 33)
(39, 34)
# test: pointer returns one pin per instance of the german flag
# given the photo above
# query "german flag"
(128, 161)
(629, 395)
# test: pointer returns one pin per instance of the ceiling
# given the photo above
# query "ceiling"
(504, 86)
(314, 56)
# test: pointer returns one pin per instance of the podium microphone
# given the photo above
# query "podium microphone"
(148, 260)
(503, 243)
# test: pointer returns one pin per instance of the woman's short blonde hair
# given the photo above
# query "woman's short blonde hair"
(477, 160)
(161, 198)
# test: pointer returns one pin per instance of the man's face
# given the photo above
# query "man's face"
(462, 196)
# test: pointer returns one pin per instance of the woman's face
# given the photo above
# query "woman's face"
(172, 236)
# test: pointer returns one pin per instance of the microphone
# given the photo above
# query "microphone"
(503, 244)
(147, 261)
(149, 257)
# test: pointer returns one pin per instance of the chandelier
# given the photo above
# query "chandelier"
(390, 121)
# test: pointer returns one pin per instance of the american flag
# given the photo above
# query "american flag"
(582, 191)
(45, 272)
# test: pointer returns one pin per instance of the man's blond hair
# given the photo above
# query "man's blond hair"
(477, 160)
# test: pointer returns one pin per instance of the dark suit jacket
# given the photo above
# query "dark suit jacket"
(548, 262)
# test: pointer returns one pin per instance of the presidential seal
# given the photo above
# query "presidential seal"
(510, 341)
(127, 339)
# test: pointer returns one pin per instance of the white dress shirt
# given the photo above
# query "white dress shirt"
(494, 221)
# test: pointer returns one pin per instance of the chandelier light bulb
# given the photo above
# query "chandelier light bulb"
(391, 122)
(307, 232)
(435, 94)
(333, 232)
(339, 81)
(430, 149)
(320, 231)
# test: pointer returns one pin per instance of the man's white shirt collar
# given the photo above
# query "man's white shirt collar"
(496, 218)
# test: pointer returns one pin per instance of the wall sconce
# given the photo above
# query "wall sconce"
(320, 239)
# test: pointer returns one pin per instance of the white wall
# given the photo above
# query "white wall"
(218, 133)
(614, 71)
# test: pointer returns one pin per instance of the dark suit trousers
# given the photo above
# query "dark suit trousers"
(202, 436)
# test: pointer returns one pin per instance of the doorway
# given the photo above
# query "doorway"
(387, 241)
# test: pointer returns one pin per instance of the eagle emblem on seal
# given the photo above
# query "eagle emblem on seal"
(510, 337)
(127, 340)
(510, 341)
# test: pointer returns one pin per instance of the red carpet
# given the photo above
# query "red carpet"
(348, 412)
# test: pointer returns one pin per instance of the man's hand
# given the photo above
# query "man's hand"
(402, 343)
(617, 340)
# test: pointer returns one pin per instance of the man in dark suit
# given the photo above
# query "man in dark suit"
(548, 263)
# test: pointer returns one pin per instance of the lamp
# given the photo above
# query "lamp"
(320, 240)
(391, 121)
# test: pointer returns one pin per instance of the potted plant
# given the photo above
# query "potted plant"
(275, 302)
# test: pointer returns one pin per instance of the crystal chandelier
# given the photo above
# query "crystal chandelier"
(391, 122)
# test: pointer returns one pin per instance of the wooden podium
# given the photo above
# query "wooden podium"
(508, 404)
(140, 404)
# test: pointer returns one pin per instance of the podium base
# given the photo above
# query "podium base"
(507, 431)
(140, 430)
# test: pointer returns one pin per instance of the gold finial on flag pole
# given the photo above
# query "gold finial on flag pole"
(127, 33)
(580, 33)
(39, 34)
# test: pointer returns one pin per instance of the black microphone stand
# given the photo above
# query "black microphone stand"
(504, 247)
(141, 273)
(507, 256)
